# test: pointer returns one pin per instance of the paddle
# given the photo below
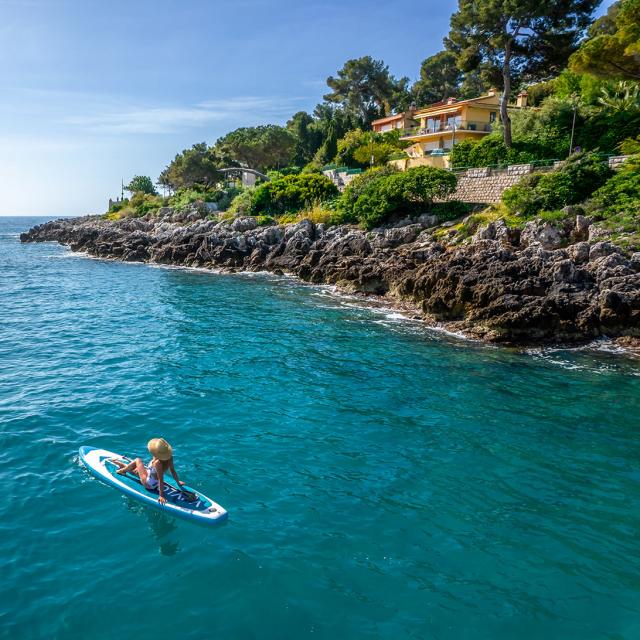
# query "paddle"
(189, 496)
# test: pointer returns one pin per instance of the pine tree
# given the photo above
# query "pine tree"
(511, 41)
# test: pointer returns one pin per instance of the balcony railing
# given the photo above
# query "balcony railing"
(465, 125)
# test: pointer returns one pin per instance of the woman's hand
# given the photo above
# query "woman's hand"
(162, 500)
(181, 483)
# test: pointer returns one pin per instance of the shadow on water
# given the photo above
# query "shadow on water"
(163, 527)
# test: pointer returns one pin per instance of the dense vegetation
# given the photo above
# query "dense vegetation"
(616, 205)
(376, 196)
(290, 194)
(584, 102)
(571, 183)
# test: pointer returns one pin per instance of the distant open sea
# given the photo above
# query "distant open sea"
(384, 480)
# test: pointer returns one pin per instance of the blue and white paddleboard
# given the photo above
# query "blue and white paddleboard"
(202, 509)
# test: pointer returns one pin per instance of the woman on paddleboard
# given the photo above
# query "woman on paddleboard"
(151, 476)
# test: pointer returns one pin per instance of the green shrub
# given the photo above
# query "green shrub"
(573, 182)
(291, 193)
(274, 174)
(619, 194)
(184, 197)
(605, 129)
(491, 151)
(345, 212)
(410, 192)
(142, 203)
(241, 203)
(288, 218)
(450, 210)
(616, 206)
(265, 221)
(630, 146)
(118, 206)
(226, 197)
(539, 91)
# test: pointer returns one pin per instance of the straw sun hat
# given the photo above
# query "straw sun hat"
(160, 448)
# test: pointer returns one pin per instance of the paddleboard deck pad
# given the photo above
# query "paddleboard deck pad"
(189, 503)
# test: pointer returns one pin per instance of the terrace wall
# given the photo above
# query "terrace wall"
(486, 185)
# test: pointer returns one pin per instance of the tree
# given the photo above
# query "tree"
(473, 85)
(265, 147)
(365, 88)
(197, 166)
(331, 122)
(440, 78)
(347, 146)
(308, 136)
(613, 48)
(624, 97)
(509, 41)
(373, 153)
(357, 147)
(142, 184)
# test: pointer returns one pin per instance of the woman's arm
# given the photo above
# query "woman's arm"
(160, 473)
(174, 474)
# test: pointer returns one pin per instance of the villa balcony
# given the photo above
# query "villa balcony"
(438, 128)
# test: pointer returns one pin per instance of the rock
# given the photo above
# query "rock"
(487, 232)
(579, 252)
(498, 287)
(601, 249)
(542, 233)
(597, 233)
(581, 229)
(402, 223)
(426, 220)
(397, 236)
(497, 230)
(244, 224)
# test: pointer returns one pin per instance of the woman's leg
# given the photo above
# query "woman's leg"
(141, 470)
(123, 468)
(135, 466)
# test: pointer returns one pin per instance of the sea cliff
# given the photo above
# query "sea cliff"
(517, 286)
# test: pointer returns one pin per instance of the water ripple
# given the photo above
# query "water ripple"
(384, 479)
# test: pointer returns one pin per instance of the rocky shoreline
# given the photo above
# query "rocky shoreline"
(537, 285)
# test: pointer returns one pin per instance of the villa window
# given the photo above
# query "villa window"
(492, 116)
(454, 121)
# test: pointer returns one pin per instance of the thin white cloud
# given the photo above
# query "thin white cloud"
(144, 120)
(134, 119)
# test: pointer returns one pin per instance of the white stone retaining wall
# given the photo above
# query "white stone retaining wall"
(486, 186)
(482, 185)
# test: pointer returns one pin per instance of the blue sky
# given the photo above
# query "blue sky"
(94, 91)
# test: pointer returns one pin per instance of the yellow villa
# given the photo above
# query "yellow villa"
(444, 124)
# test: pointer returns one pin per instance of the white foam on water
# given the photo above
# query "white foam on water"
(67, 255)
(561, 356)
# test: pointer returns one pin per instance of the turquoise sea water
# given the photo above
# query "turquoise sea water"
(383, 480)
